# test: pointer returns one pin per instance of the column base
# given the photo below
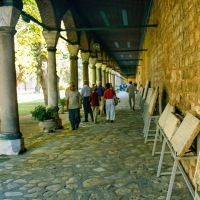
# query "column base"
(12, 147)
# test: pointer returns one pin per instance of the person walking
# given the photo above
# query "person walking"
(110, 107)
(85, 93)
(73, 106)
(94, 102)
(68, 88)
(131, 89)
(100, 91)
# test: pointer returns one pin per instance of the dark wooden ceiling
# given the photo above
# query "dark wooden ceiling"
(119, 26)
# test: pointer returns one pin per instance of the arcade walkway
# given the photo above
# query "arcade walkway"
(105, 161)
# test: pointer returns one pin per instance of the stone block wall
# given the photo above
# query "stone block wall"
(172, 61)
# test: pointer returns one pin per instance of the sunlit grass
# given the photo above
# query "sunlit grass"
(26, 107)
(27, 101)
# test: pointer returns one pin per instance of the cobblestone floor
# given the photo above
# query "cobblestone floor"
(104, 161)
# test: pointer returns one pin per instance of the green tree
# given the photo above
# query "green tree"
(30, 48)
(31, 53)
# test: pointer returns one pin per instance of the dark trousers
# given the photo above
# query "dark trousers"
(87, 108)
(74, 117)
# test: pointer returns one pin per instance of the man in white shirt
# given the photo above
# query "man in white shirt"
(85, 93)
(68, 88)
(73, 105)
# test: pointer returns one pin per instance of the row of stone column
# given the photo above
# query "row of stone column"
(99, 72)
(11, 140)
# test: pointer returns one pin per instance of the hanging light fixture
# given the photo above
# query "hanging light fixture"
(96, 48)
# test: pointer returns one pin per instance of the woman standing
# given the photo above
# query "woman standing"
(94, 102)
(110, 107)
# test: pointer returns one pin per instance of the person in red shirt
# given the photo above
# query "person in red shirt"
(110, 107)
(94, 102)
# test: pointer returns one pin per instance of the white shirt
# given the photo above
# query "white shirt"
(86, 91)
(74, 98)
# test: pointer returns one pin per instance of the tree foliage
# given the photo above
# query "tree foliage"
(29, 44)
(31, 52)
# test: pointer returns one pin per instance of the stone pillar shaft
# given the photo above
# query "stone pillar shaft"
(110, 77)
(74, 70)
(93, 69)
(103, 78)
(11, 140)
(51, 38)
(93, 75)
(52, 79)
(9, 106)
(98, 72)
(85, 63)
(103, 73)
(107, 75)
(113, 81)
(73, 51)
(85, 71)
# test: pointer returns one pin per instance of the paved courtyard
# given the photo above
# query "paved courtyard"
(104, 161)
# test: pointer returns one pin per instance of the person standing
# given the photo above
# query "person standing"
(85, 93)
(73, 105)
(110, 107)
(131, 89)
(94, 102)
(68, 88)
(100, 91)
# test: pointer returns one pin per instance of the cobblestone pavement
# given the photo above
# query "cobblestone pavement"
(104, 161)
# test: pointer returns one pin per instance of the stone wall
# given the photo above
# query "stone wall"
(172, 61)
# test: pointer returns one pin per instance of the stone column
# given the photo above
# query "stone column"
(98, 70)
(51, 38)
(107, 75)
(118, 80)
(11, 140)
(113, 79)
(73, 51)
(111, 76)
(93, 69)
(103, 72)
(85, 62)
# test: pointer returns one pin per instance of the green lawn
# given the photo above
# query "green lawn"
(26, 107)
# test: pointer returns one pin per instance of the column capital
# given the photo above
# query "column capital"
(9, 16)
(110, 70)
(92, 62)
(103, 67)
(118, 74)
(113, 72)
(85, 57)
(51, 38)
(98, 65)
(73, 49)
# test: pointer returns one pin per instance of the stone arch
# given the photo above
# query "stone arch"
(84, 41)
(48, 15)
(72, 36)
